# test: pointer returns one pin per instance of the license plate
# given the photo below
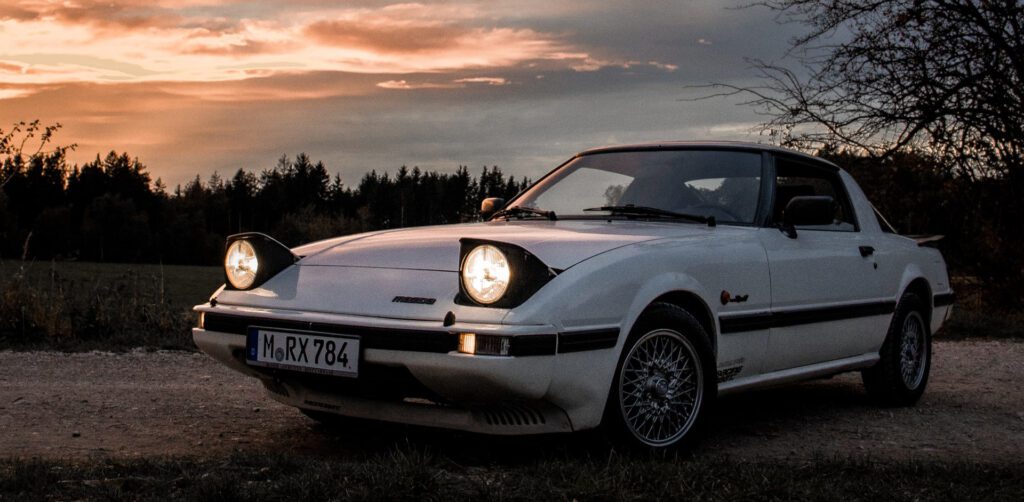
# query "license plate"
(307, 352)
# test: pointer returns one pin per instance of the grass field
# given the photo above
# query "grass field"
(105, 306)
(75, 306)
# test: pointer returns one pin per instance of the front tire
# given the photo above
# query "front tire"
(664, 383)
(901, 375)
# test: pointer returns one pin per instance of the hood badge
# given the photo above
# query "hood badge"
(414, 299)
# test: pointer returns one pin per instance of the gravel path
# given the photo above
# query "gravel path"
(140, 404)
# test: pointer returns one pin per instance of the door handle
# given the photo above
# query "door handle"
(866, 251)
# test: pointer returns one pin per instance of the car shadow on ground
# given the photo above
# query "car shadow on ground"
(767, 414)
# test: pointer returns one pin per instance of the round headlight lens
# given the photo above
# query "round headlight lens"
(241, 264)
(486, 274)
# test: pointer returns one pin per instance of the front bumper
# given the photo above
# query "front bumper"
(436, 385)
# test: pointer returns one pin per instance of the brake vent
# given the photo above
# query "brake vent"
(511, 415)
(276, 388)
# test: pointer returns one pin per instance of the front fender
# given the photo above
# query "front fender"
(614, 288)
(661, 285)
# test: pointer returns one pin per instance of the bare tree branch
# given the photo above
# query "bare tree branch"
(941, 75)
(13, 158)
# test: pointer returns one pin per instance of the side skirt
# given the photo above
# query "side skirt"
(802, 373)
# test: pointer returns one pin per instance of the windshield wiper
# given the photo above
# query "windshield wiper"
(523, 210)
(631, 210)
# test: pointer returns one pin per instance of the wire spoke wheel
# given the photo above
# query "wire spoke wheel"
(900, 376)
(661, 387)
(913, 350)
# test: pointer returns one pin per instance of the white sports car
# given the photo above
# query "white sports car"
(627, 289)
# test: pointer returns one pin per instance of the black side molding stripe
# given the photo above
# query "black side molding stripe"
(533, 345)
(944, 299)
(745, 322)
(439, 342)
(579, 341)
(766, 320)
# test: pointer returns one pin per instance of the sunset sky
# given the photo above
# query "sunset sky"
(197, 86)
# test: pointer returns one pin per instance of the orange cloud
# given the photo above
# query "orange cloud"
(407, 86)
(483, 80)
(459, 83)
(386, 37)
(11, 68)
(137, 41)
(181, 41)
(103, 14)
(15, 93)
(17, 13)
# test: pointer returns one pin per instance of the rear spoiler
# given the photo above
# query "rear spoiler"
(926, 240)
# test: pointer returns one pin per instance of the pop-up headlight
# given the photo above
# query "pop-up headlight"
(485, 274)
(241, 264)
(498, 274)
(252, 258)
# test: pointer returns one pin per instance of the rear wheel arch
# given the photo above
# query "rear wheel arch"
(901, 374)
(923, 290)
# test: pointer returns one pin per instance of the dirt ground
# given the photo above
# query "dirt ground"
(142, 404)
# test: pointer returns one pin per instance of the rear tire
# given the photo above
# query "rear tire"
(664, 384)
(901, 375)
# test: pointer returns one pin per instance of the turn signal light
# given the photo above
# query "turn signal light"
(484, 345)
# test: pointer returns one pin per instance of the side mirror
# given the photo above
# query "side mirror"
(490, 206)
(808, 210)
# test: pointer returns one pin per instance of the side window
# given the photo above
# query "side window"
(794, 179)
(728, 199)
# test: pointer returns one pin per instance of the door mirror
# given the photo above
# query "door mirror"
(808, 210)
(490, 206)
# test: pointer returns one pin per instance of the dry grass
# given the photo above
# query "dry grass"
(980, 313)
(409, 474)
(85, 306)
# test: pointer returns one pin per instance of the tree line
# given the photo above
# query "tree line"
(111, 210)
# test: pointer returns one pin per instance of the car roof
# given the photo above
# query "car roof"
(715, 145)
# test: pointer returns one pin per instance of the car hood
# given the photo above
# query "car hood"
(559, 244)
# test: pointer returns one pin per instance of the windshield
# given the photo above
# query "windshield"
(724, 185)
